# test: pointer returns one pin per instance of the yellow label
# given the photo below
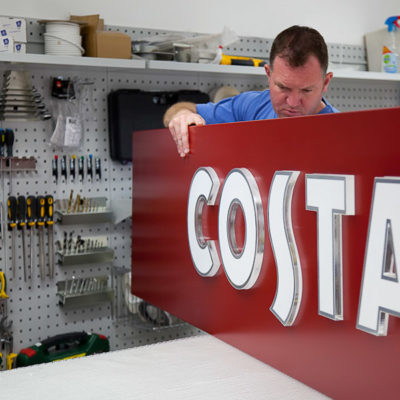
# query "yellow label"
(70, 357)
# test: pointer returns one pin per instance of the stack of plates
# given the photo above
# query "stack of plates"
(63, 38)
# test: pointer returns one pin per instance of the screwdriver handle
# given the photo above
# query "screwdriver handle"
(31, 210)
(2, 142)
(54, 164)
(49, 209)
(90, 166)
(9, 141)
(3, 294)
(41, 210)
(72, 166)
(81, 167)
(98, 167)
(12, 212)
(21, 211)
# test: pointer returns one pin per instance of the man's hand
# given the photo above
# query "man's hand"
(177, 118)
(178, 127)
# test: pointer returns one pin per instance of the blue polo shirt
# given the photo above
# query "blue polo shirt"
(246, 106)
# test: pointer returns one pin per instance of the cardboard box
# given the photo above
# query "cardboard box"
(113, 45)
(100, 43)
(14, 27)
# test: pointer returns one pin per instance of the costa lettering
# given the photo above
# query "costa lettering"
(331, 197)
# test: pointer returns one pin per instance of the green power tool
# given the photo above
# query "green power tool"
(63, 347)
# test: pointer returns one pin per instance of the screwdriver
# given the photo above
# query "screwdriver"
(40, 204)
(90, 166)
(31, 214)
(9, 139)
(72, 166)
(81, 167)
(3, 294)
(98, 167)
(64, 167)
(2, 142)
(55, 167)
(49, 224)
(21, 220)
(12, 217)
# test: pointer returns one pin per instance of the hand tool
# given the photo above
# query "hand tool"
(71, 194)
(2, 142)
(90, 166)
(40, 204)
(98, 167)
(32, 215)
(21, 222)
(1, 222)
(81, 167)
(64, 167)
(9, 140)
(49, 224)
(12, 216)
(72, 166)
(238, 60)
(3, 304)
(76, 204)
(54, 164)
(20, 96)
(20, 107)
(2, 154)
(3, 294)
(11, 359)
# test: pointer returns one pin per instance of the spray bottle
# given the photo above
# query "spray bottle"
(390, 57)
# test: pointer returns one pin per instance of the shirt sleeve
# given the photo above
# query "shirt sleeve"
(218, 113)
(246, 106)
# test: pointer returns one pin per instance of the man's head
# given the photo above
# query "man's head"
(297, 72)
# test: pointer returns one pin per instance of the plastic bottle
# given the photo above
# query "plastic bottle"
(390, 57)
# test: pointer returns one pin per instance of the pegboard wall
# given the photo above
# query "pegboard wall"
(32, 306)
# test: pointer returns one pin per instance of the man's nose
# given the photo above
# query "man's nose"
(293, 99)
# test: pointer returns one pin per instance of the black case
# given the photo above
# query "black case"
(132, 110)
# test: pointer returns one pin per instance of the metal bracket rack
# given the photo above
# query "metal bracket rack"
(96, 213)
(101, 255)
(83, 292)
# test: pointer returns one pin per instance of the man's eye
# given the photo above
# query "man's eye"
(307, 90)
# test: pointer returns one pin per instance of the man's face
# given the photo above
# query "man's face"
(297, 91)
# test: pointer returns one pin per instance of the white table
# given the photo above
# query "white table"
(200, 367)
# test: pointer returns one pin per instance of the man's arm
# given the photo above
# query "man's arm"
(177, 118)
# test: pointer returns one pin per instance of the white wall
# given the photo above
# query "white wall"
(340, 21)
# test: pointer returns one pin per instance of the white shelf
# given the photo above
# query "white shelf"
(205, 68)
(70, 61)
(365, 75)
(171, 66)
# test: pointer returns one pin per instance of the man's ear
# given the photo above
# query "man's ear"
(268, 72)
(327, 79)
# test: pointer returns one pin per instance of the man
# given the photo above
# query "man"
(297, 77)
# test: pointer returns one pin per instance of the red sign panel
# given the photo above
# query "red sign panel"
(304, 220)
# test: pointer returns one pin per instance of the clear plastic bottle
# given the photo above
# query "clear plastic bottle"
(390, 57)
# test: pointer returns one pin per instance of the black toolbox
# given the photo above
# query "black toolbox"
(132, 110)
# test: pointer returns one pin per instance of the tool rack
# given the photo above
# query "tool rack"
(34, 306)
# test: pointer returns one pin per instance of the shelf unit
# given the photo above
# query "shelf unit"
(112, 64)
